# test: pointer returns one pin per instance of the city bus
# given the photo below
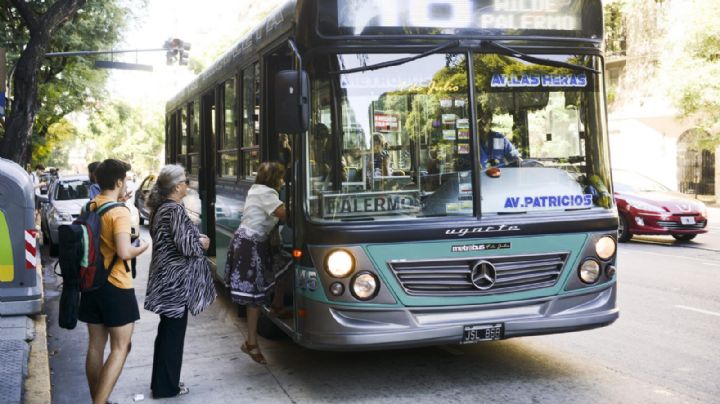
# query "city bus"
(448, 174)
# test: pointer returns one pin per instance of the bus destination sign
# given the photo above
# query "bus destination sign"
(557, 15)
(369, 204)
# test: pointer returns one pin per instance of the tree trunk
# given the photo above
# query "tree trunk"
(24, 108)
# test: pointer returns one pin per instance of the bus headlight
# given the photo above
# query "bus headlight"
(364, 286)
(339, 263)
(605, 247)
(589, 271)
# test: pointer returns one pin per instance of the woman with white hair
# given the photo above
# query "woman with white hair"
(179, 280)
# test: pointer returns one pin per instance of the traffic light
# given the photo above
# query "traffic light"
(177, 50)
(184, 53)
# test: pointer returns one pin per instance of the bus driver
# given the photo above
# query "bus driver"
(495, 148)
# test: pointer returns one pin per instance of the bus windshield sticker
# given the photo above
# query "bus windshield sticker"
(549, 201)
(480, 247)
(539, 80)
(371, 203)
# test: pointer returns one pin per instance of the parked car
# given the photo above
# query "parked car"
(647, 207)
(66, 197)
(141, 195)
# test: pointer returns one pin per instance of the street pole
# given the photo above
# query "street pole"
(3, 77)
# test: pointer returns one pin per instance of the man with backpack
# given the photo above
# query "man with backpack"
(108, 304)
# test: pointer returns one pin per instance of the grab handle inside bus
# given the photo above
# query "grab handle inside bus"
(292, 106)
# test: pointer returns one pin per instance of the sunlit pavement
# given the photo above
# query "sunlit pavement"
(662, 349)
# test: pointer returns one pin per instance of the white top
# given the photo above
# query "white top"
(36, 182)
(259, 207)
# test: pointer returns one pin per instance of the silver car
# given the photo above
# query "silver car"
(66, 196)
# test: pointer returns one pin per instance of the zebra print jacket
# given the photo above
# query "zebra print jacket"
(179, 272)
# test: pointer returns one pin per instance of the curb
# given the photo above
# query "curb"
(37, 384)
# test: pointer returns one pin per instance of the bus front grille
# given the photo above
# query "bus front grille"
(453, 277)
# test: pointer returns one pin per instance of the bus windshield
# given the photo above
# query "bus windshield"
(398, 142)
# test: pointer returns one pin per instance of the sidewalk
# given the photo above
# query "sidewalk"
(24, 371)
(214, 368)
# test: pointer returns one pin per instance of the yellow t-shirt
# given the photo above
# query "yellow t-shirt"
(114, 221)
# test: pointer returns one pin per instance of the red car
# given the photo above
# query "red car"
(648, 207)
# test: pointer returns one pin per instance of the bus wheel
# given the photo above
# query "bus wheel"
(267, 329)
(623, 229)
(684, 237)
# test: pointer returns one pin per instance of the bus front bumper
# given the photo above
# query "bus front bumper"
(346, 328)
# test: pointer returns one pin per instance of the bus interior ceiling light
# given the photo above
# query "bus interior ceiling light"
(605, 247)
(589, 271)
(364, 285)
(339, 263)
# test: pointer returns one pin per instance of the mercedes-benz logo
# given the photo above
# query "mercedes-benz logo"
(483, 275)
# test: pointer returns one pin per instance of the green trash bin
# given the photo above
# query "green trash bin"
(21, 291)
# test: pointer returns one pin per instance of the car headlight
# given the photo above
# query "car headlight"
(339, 263)
(639, 205)
(364, 286)
(589, 271)
(605, 247)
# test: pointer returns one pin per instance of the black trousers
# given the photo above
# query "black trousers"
(167, 359)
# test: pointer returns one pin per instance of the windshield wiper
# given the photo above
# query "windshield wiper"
(541, 61)
(446, 45)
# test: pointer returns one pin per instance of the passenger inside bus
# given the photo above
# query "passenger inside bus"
(382, 164)
(321, 156)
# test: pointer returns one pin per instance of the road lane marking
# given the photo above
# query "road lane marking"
(712, 313)
(675, 256)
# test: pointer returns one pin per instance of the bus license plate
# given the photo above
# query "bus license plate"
(481, 332)
(687, 220)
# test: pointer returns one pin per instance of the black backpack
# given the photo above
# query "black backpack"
(81, 262)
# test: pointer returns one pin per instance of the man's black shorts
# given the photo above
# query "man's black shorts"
(109, 305)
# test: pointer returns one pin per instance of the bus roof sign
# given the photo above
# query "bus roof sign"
(512, 17)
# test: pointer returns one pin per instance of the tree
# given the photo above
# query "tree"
(694, 66)
(46, 89)
(132, 134)
(41, 27)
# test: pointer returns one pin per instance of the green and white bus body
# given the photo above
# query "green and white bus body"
(408, 226)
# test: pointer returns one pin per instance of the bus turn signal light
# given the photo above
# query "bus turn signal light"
(297, 254)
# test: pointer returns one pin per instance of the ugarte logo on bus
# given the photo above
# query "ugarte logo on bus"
(539, 80)
(372, 203)
(480, 247)
(549, 201)
(481, 229)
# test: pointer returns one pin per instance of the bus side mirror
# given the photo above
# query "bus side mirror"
(292, 104)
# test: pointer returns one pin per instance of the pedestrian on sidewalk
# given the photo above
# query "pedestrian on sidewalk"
(112, 309)
(94, 187)
(252, 267)
(179, 279)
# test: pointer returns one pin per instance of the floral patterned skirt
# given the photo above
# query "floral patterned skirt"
(253, 267)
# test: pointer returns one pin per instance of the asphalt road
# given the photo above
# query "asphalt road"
(662, 349)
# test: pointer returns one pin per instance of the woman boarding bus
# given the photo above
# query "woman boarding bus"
(494, 218)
